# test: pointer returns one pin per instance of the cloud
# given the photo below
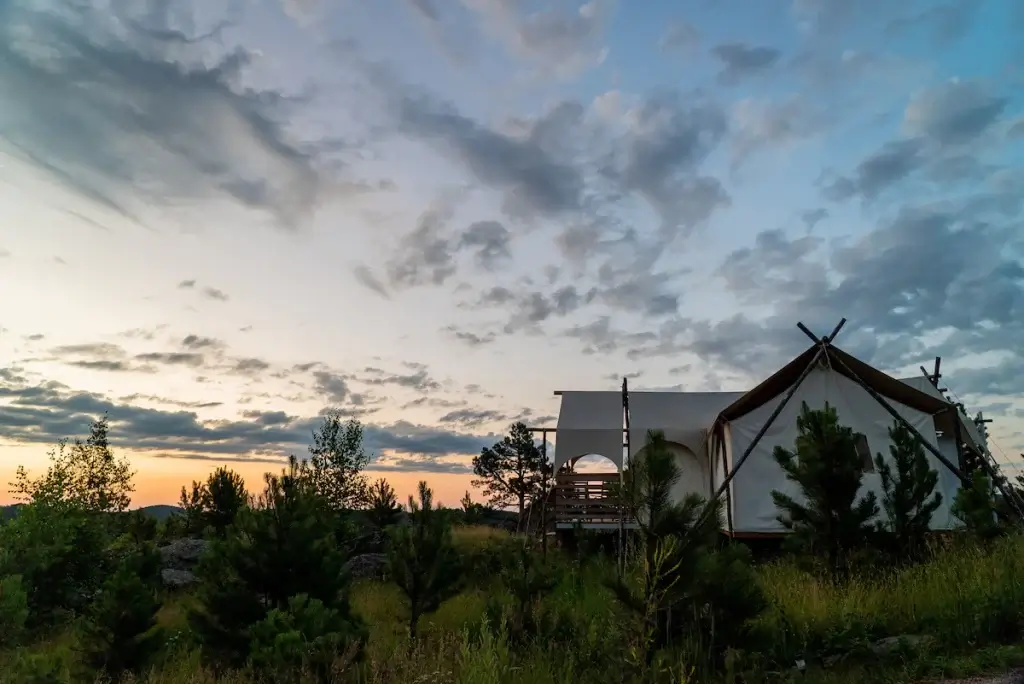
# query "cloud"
(559, 42)
(366, 278)
(883, 169)
(47, 412)
(490, 242)
(947, 23)
(471, 339)
(331, 386)
(680, 37)
(196, 128)
(474, 417)
(201, 353)
(197, 342)
(740, 61)
(419, 379)
(533, 170)
(215, 294)
(955, 113)
(758, 124)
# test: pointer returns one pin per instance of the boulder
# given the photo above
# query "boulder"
(368, 566)
(893, 644)
(182, 554)
(176, 579)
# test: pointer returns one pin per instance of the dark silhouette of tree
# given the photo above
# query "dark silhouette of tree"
(422, 560)
(285, 546)
(827, 467)
(673, 537)
(909, 498)
(383, 510)
(120, 633)
(87, 475)
(513, 471)
(975, 506)
(214, 504)
(337, 460)
(472, 512)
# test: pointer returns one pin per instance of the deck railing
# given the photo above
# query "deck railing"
(586, 499)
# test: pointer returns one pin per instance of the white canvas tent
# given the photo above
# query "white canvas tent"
(591, 423)
(723, 441)
(751, 510)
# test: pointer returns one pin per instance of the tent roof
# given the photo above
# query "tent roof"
(969, 431)
(784, 378)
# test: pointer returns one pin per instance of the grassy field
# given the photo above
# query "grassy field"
(968, 601)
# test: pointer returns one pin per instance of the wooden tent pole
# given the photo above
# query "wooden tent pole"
(896, 415)
(622, 468)
(544, 498)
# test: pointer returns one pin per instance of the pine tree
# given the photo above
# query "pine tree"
(909, 497)
(975, 507)
(472, 512)
(215, 504)
(513, 471)
(283, 547)
(673, 537)
(422, 560)
(120, 631)
(383, 510)
(829, 470)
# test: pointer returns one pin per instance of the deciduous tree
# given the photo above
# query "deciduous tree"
(86, 475)
(336, 462)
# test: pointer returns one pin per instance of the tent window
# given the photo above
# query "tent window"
(864, 451)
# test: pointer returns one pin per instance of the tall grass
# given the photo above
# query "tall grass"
(966, 598)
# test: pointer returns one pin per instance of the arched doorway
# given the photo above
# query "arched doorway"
(694, 473)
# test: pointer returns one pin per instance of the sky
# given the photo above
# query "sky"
(218, 218)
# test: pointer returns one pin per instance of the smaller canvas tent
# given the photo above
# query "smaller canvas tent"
(866, 399)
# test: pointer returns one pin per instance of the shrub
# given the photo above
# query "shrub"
(284, 547)
(13, 610)
(119, 633)
(304, 639)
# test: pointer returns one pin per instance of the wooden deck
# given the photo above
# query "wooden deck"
(586, 500)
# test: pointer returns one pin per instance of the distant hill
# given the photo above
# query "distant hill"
(161, 511)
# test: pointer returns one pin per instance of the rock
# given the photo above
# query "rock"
(368, 566)
(182, 554)
(890, 645)
(177, 579)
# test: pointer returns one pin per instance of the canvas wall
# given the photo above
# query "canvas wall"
(753, 508)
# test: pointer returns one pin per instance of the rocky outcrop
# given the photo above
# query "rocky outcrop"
(182, 554)
(368, 566)
(178, 561)
(177, 579)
